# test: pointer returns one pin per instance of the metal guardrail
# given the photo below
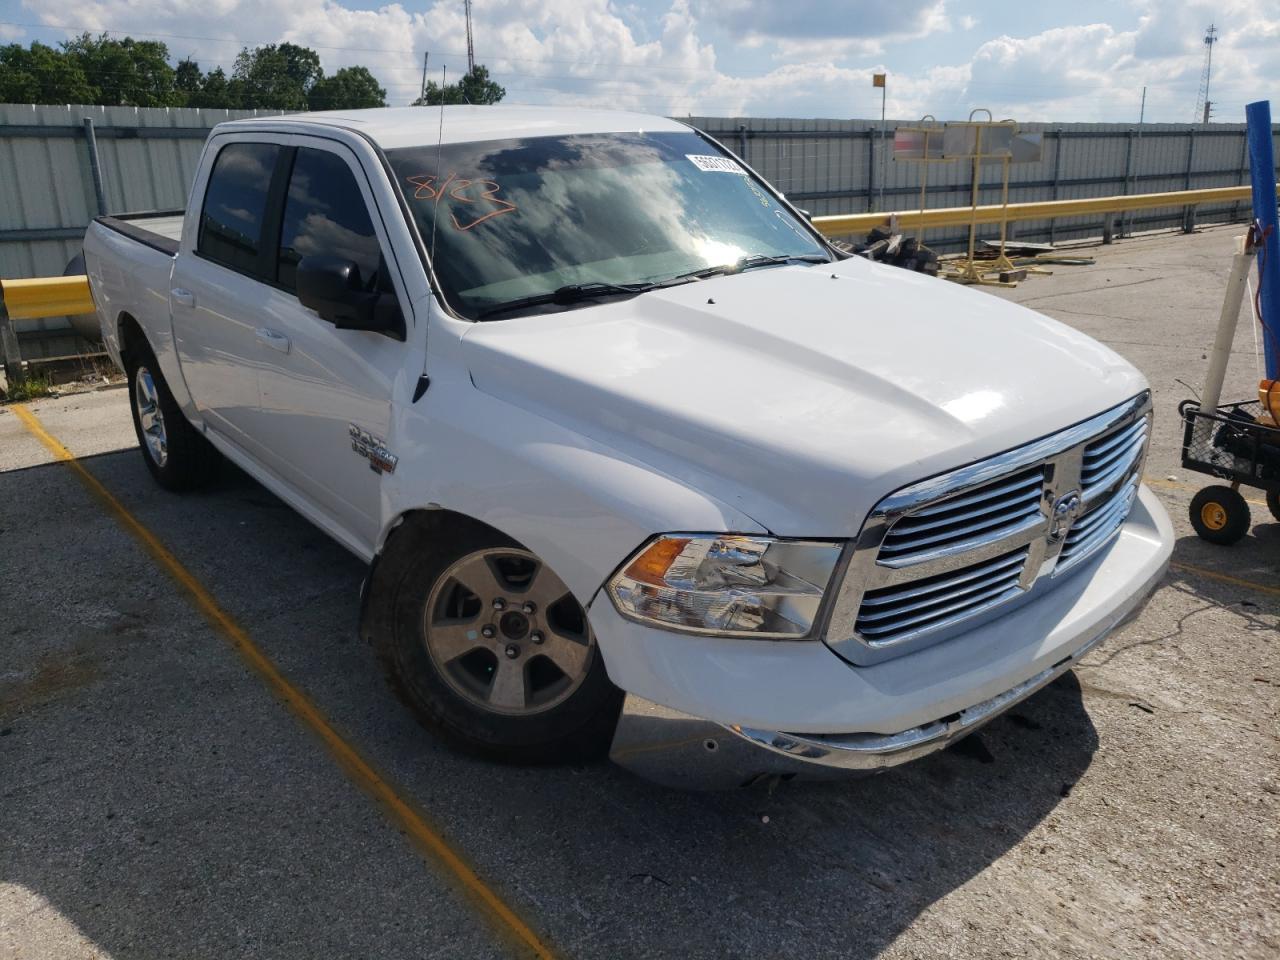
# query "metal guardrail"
(31, 300)
(46, 297)
(858, 223)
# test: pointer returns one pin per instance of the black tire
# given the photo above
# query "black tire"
(1220, 515)
(1273, 503)
(188, 460)
(416, 567)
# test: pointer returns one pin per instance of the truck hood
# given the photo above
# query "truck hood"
(803, 395)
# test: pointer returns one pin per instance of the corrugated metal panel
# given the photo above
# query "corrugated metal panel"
(835, 166)
(46, 185)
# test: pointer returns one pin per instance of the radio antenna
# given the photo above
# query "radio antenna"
(435, 213)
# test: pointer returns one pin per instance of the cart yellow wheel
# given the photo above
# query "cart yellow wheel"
(1220, 515)
(1213, 515)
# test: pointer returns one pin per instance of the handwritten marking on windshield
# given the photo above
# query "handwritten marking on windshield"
(426, 189)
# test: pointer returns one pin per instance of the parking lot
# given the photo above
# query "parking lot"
(199, 758)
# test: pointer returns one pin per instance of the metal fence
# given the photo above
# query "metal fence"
(842, 166)
(51, 187)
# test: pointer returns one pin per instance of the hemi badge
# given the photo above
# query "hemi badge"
(373, 449)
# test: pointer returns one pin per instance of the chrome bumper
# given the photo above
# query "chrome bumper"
(678, 750)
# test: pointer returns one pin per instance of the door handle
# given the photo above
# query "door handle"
(184, 297)
(276, 341)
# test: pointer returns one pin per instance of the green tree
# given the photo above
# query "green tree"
(351, 88)
(41, 74)
(125, 72)
(277, 76)
(475, 87)
(187, 80)
(216, 91)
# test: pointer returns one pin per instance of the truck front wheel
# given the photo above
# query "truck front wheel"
(489, 648)
(175, 453)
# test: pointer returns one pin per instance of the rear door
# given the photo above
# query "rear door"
(326, 393)
(217, 287)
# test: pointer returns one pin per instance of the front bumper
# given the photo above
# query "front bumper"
(943, 693)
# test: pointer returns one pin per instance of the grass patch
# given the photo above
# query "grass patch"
(31, 389)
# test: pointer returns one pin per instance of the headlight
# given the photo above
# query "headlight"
(729, 585)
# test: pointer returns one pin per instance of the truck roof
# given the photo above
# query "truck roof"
(394, 127)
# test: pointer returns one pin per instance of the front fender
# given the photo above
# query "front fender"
(580, 505)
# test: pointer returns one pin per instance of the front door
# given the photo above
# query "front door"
(326, 393)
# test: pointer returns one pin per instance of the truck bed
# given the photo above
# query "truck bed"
(160, 230)
(129, 260)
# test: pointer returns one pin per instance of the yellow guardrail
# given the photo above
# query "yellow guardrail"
(847, 224)
(46, 297)
(67, 296)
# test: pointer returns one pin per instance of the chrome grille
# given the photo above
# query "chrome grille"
(954, 525)
(1097, 527)
(895, 613)
(945, 554)
(1111, 458)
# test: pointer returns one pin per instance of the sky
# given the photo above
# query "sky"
(1066, 62)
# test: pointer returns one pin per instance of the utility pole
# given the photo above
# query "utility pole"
(1137, 152)
(423, 95)
(471, 47)
(1203, 104)
(878, 80)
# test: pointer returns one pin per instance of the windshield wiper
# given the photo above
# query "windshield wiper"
(765, 260)
(577, 292)
(742, 263)
(569, 294)
(701, 273)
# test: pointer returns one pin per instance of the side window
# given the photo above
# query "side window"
(235, 204)
(325, 213)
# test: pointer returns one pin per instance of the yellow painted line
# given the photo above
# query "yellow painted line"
(1225, 578)
(404, 813)
(1191, 487)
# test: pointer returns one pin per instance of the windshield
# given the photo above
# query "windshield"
(519, 220)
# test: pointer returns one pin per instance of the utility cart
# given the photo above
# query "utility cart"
(1236, 442)
(1229, 442)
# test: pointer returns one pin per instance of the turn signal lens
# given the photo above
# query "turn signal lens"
(727, 585)
(651, 565)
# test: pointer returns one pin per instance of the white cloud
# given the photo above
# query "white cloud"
(569, 51)
(10, 34)
(827, 19)
(606, 53)
(825, 29)
(1094, 72)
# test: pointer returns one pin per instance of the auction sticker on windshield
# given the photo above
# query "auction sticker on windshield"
(714, 164)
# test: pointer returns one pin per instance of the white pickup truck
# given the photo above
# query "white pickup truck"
(638, 461)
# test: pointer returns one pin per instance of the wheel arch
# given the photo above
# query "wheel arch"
(129, 337)
(417, 529)
(133, 337)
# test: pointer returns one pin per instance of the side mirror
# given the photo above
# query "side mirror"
(332, 287)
